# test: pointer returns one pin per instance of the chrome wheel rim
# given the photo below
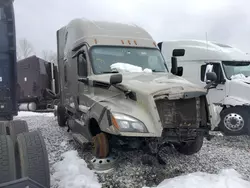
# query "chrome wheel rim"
(234, 122)
(106, 164)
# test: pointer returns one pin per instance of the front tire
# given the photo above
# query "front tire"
(190, 148)
(234, 121)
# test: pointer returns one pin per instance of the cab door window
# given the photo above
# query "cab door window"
(216, 68)
(82, 65)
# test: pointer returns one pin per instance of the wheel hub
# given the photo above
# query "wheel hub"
(105, 164)
(234, 122)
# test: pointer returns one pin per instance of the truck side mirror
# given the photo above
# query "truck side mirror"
(211, 79)
(175, 69)
(211, 76)
(115, 79)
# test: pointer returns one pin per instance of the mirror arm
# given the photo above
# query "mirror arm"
(209, 85)
(223, 81)
(123, 89)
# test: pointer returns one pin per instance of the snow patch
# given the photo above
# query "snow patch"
(125, 67)
(72, 172)
(215, 112)
(29, 114)
(241, 77)
(63, 144)
(228, 178)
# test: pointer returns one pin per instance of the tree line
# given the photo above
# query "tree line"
(26, 49)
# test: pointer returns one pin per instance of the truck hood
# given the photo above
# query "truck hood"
(153, 83)
(147, 88)
(238, 92)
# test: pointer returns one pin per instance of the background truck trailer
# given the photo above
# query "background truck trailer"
(8, 105)
(37, 83)
(230, 96)
(18, 146)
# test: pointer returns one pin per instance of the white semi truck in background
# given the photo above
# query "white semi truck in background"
(230, 97)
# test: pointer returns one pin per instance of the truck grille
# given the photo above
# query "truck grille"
(179, 113)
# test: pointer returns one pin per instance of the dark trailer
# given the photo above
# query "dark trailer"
(37, 82)
(8, 71)
(18, 145)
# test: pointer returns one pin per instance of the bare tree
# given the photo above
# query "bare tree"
(24, 49)
(49, 56)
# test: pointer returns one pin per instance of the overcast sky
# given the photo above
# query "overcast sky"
(225, 21)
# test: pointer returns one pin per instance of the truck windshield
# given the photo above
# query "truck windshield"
(107, 59)
(236, 67)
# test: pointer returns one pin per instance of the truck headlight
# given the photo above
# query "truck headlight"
(126, 123)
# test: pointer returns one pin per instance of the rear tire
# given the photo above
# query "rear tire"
(190, 148)
(3, 128)
(61, 116)
(16, 127)
(234, 121)
(7, 159)
(32, 160)
(101, 146)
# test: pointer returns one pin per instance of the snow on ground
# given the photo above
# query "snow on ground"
(225, 179)
(29, 114)
(218, 154)
(72, 172)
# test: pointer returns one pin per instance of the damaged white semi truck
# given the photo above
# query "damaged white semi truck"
(229, 99)
(116, 90)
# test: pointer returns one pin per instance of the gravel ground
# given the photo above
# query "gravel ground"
(219, 153)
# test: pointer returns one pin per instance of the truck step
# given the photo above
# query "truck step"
(80, 139)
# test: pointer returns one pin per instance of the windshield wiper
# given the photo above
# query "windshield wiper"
(115, 71)
(107, 72)
(157, 71)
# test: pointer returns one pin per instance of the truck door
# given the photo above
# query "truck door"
(217, 94)
(83, 94)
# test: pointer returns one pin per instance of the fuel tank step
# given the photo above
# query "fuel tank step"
(81, 140)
